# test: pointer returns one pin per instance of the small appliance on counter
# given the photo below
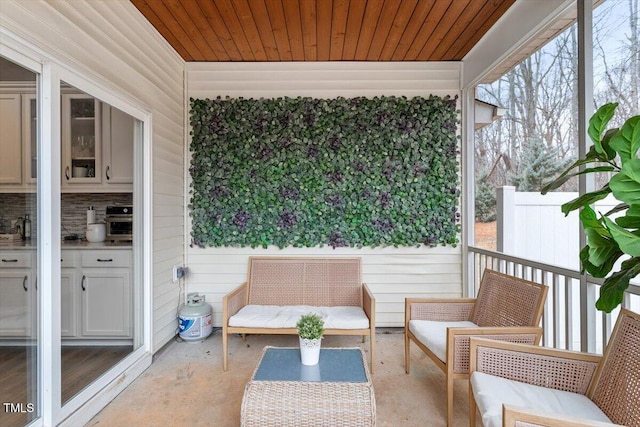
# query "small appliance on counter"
(96, 232)
(119, 223)
(91, 215)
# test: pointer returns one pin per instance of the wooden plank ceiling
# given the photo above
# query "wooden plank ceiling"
(322, 30)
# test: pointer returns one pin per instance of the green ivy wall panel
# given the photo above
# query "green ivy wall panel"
(308, 172)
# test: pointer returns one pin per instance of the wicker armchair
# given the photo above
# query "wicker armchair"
(506, 308)
(535, 386)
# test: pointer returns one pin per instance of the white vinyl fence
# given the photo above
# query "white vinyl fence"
(532, 226)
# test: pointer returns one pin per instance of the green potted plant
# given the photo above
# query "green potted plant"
(310, 329)
(609, 238)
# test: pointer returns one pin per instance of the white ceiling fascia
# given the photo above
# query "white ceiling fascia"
(525, 27)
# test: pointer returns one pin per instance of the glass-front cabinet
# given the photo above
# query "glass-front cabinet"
(81, 144)
(30, 136)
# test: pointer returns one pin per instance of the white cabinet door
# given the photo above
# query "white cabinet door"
(16, 308)
(10, 140)
(81, 140)
(69, 291)
(30, 137)
(117, 137)
(106, 302)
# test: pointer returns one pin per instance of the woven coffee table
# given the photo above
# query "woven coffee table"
(335, 392)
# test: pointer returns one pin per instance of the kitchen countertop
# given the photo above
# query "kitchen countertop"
(67, 244)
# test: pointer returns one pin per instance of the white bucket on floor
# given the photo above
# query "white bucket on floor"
(195, 319)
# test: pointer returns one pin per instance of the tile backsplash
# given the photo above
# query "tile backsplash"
(14, 206)
(74, 209)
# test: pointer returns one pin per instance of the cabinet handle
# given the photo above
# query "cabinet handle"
(105, 260)
(107, 172)
(66, 173)
(9, 260)
(84, 278)
(36, 283)
(24, 283)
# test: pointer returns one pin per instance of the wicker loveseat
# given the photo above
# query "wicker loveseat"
(279, 290)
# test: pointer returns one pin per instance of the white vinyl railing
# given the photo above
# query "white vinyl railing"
(570, 320)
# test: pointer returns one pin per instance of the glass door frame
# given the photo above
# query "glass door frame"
(51, 72)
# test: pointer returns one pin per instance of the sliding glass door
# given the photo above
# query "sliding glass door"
(98, 244)
(19, 310)
(72, 312)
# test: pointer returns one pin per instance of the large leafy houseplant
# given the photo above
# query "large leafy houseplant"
(609, 237)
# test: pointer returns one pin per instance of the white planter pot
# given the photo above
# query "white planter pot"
(310, 351)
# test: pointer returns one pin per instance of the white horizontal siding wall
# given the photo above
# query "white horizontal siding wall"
(391, 273)
(322, 79)
(113, 43)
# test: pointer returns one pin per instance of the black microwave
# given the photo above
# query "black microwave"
(119, 223)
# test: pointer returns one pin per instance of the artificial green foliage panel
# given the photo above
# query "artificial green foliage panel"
(309, 172)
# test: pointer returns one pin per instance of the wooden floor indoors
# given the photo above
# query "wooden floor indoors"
(80, 366)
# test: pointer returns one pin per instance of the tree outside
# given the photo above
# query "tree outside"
(538, 135)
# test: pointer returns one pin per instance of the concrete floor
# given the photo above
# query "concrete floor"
(186, 386)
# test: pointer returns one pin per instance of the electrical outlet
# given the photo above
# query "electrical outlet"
(176, 273)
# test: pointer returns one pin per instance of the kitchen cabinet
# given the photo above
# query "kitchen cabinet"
(10, 140)
(81, 140)
(106, 303)
(17, 294)
(18, 142)
(97, 294)
(96, 139)
(117, 133)
(30, 138)
(97, 146)
(70, 308)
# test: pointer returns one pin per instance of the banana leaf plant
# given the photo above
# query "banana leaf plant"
(609, 237)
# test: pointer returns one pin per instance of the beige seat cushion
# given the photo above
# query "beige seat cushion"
(433, 334)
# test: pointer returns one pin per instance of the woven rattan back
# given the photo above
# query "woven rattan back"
(617, 387)
(568, 374)
(505, 300)
(305, 281)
